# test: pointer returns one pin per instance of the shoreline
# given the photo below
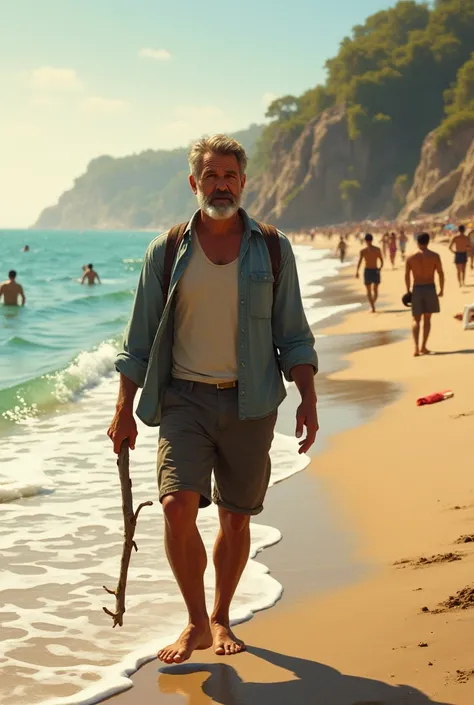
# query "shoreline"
(370, 629)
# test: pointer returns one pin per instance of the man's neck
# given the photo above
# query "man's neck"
(220, 228)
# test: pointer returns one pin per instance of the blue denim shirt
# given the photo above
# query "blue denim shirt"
(269, 319)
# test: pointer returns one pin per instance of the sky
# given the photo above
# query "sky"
(79, 79)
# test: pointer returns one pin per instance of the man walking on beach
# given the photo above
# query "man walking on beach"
(11, 290)
(371, 256)
(217, 318)
(461, 246)
(423, 266)
(341, 249)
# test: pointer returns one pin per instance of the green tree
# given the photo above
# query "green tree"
(349, 188)
(283, 108)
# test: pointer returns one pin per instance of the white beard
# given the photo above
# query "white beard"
(222, 211)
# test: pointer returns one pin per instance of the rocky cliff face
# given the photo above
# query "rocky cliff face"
(302, 186)
(444, 181)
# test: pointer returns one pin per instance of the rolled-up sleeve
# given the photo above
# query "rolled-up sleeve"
(292, 335)
(147, 309)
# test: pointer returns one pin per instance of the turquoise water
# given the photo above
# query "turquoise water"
(41, 344)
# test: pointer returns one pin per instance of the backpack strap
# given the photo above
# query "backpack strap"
(173, 241)
(272, 241)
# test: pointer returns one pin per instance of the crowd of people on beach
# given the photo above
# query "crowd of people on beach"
(421, 268)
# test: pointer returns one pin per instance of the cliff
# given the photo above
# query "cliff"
(324, 177)
(443, 185)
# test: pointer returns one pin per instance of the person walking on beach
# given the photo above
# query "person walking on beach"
(217, 317)
(392, 248)
(341, 249)
(371, 255)
(90, 276)
(11, 290)
(461, 246)
(402, 242)
(425, 301)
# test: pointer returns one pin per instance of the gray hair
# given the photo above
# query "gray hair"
(218, 144)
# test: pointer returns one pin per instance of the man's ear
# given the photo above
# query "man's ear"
(192, 183)
(243, 181)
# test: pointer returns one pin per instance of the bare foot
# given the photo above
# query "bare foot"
(225, 641)
(425, 351)
(193, 638)
(416, 353)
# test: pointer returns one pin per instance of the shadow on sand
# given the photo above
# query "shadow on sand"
(395, 310)
(309, 683)
(468, 351)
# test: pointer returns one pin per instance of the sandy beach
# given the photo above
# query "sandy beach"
(391, 627)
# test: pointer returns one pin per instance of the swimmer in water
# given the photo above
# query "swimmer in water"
(11, 290)
(90, 276)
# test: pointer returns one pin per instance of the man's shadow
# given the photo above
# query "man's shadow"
(468, 351)
(315, 684)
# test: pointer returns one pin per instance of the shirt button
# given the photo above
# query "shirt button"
(242, 392)
(241, 301)
(242, 364)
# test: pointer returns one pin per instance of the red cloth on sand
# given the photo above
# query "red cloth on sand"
(434, 398)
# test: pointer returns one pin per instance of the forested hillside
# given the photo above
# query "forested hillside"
(404, 73)
(398, 99)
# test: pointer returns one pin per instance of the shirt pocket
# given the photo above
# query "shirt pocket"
(261, 294)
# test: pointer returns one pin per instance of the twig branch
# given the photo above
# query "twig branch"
(129, 521)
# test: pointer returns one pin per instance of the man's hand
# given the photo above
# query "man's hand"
(307, 415)
(441, 294)
(357, 275)
(123, 427)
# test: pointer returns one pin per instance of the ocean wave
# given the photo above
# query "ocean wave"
(23, 403)
(19, 342)
(32, 482)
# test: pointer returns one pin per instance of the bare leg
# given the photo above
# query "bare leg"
(458, 269)
(231, 553)
(426, 333)
(416, 334)
(187, 557)
(376, 293)
(369, 296)
(463, 274)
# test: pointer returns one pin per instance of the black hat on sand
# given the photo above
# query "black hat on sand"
(406, 299)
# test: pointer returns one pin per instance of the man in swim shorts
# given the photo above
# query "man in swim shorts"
(461, 246)
(371, 256)
(425, 300)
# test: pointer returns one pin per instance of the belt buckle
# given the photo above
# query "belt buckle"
(226, 385)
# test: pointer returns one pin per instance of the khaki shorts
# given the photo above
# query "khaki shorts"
(201, 432)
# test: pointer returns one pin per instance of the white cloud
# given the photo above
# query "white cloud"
(156, 54)
(50, 77)
(96, 105)
(268, 98)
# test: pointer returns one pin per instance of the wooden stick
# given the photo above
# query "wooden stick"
(129, 522)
